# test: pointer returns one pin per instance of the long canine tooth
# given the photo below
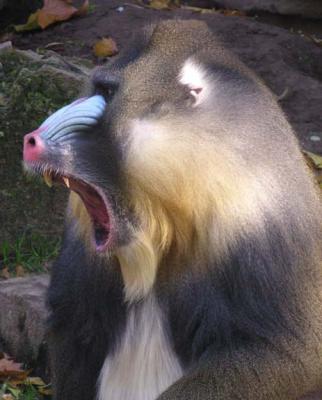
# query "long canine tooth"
(66, 180)
(48, 180)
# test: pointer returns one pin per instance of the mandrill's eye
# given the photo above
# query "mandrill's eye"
(105, 83)
(110, 92)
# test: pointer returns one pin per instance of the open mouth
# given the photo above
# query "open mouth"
(94, 201)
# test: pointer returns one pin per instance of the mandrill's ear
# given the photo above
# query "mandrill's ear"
(195, 76)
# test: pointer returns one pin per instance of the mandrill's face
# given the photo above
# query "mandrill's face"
(125, 149)
(145, 155)
(68, 149)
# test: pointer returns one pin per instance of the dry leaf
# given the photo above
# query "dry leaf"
(105, 47)
(31, 24)
(20, 271)
(314, 160)
(4, 273)
(10, 370)
(45, 390)
(52, 11)
(14, 377)
(35, 380)
(7, 397)
(199, 10)
(226, 13)
(233, 13)
(7, 364)
(160, 4)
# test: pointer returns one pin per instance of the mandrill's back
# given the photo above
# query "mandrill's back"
(191, 261)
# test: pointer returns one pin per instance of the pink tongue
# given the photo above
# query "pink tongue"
(96, 209)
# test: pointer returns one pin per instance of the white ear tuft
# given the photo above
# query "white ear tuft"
(195, 77)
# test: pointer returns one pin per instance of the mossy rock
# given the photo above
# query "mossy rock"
(32, 86)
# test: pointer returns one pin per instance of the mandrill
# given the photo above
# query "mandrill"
(190, 267)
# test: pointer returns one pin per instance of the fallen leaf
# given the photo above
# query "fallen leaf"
(7, 364)
(51, 12)
(233, 13)
(160, 4)
(4, 273)
(14, 377)
(35, 380)
(45, 390)
(199, 9)
(105, 47)
(31, 24)
(314, 160)
(10, 370)
(20, 271)
(7, 397)
(226, 13)
(54, 11)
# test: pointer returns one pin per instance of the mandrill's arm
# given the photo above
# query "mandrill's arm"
(255, 373)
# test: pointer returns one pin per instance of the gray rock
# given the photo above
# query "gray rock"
(22, 317)
(5, 46)
(303, 8)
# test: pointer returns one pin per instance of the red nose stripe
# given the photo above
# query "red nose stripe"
(33, 146)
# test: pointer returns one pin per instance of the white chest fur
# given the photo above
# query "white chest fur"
(143, 364)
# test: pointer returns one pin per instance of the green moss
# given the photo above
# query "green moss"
(31, 252)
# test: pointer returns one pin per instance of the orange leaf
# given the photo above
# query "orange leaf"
(10, 370)
(105, 47)
(4, 273)
(159, 4)
(51, 12)
(6, 364)
(20, 271)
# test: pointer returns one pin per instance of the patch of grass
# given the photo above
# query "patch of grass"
(31, 252)
(20, 392)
